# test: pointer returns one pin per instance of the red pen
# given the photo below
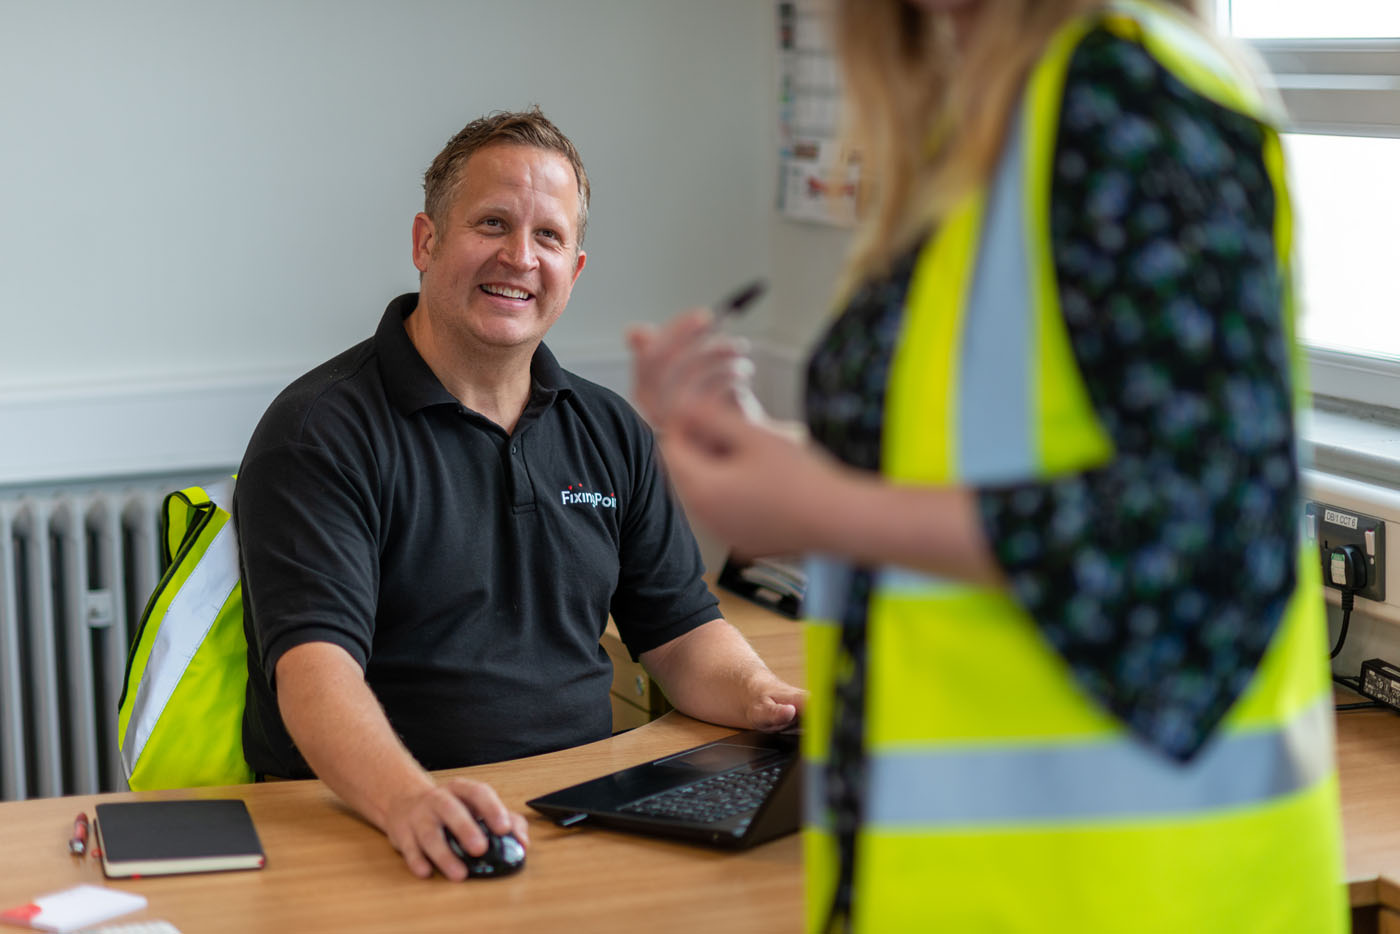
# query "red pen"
(78, 844)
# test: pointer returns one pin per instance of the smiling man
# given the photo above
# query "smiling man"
(435, 525)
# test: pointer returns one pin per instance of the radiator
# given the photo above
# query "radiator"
(77, 565)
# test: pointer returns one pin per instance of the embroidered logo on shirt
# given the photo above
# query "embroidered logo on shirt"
(575, 495)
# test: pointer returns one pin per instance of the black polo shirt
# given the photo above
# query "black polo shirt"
(469, 571)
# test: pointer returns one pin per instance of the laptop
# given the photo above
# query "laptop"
(735, 792)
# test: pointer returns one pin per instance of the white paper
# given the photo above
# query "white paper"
(78, 907)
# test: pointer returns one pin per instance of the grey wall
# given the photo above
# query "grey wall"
(806, 263)
(196, 190)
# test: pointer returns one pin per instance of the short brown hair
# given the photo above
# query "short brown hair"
(525, 128)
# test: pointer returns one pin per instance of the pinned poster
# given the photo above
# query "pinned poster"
(815, 183)
(817, 187)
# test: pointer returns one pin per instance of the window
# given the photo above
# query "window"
(1336, 65)
(1311, 19)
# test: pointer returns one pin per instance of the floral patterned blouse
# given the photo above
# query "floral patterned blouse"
(1160, 577)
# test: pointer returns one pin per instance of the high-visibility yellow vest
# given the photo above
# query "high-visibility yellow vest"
(1000, 797)
(180, 718)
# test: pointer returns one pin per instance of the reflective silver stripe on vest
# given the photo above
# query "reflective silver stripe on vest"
(221, 494)
(903, 582)
(1119, 779)
(182, 630)
(828, 583)
(996, 357)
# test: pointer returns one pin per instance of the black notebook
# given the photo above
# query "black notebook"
(159, 838)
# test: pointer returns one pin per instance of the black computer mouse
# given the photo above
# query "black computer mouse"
(504, 854)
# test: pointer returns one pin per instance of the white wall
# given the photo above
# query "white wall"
(806, 262)
(199, 201)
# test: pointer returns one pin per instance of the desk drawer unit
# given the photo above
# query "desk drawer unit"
(635, 699)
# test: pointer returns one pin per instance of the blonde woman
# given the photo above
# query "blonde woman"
(1067, 662)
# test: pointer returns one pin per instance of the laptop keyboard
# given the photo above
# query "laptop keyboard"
(712, 799)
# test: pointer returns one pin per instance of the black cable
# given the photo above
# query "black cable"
(1353, 683)
(1348, 600)
(1363, 705)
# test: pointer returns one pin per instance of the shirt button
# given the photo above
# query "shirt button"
(514, 449)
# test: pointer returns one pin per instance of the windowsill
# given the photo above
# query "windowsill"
(1352, 461)
(1354, 441)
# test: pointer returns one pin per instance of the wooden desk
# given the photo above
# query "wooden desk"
(328, 871)
(1368, 756)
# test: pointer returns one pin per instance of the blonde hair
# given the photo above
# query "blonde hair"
(927, 119)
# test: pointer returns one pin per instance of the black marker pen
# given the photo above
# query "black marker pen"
(740, 300)
(727, 308)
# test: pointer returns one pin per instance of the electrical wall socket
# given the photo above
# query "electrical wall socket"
(1328, 527)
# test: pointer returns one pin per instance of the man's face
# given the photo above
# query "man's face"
(499, 268)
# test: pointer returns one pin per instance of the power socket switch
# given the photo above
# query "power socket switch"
(1331, 529)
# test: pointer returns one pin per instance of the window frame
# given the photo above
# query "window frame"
(1341, 87)
(1337, 87)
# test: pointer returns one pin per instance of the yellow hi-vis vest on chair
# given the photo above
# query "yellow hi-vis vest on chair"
(180, 718)
(999, 797)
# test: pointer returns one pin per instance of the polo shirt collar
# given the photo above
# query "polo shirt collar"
(411, 383)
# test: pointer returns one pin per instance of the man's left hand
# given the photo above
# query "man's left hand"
(776, 708)
(711, 673)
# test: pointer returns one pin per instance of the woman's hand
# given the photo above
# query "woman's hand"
(765, 492)
(685, 363)
(755, 486)
(736, 471)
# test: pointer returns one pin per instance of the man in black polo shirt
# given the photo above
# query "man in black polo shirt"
(436, 524)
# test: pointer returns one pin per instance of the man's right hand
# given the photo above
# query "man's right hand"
(416, 822)
(340, 728)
